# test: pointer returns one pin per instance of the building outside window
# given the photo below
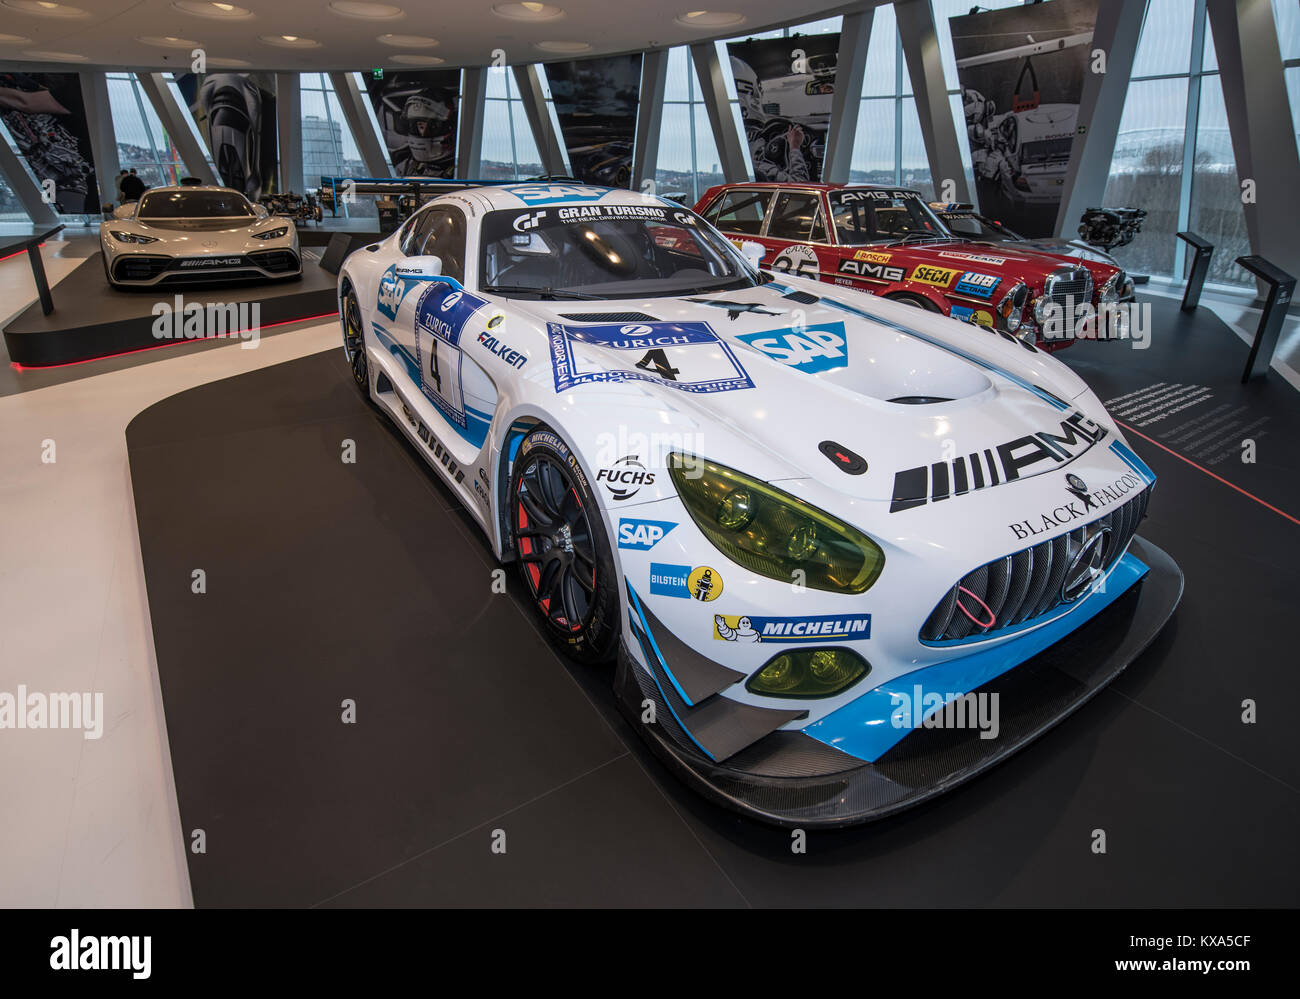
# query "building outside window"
(509, 152)
(142, 142)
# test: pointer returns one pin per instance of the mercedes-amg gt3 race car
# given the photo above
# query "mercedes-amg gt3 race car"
(193, 234)
(846, 553)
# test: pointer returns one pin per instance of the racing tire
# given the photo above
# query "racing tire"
(354, 343)
(916, 302)
(563, 549)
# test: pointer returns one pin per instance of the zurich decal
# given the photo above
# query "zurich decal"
(810, 349)
(444, 309)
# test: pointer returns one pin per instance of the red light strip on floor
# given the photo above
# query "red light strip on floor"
(172, 343)
(1189, 461)
(17, 253)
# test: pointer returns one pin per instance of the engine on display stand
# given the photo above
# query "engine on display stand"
(299, 207)
(1107, 228)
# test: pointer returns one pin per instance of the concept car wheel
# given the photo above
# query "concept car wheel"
(354, 343)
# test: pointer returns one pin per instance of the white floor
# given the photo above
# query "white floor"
(91, 822)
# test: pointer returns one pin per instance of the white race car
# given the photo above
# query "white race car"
(192, 234)
(842, 550)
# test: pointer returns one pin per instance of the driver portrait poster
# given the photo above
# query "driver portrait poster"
(417, 112)
(47, 119)
(235, 114)
(1021, 71)
(785, 87)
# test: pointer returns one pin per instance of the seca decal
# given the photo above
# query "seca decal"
(869, 270)
(976, 285)
(753, 628)
(931, 483)
(940, 277)
(873, 257)
(642, 535)
(701, 583)
(547, 194)
(686, 356)
(810, 349)
(799, 259)
(625, 477)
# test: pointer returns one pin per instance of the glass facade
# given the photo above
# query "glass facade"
(328, 148)
(509, 152)
(143, 144)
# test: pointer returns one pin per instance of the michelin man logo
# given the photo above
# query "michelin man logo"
(742, 632)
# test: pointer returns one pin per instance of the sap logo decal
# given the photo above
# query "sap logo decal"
(642, 535)
(392, 289)
(545, 194)
(813, 348)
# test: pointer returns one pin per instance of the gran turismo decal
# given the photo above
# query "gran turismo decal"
(1082, 506)
(865, 269)
(797, 259)
(625, 477)
(642, 535)
(527, 221)
(701, 583)
(915, 487)
(812, 348)
(939, 277)
(976, 285)
(508, 354)
(686, 356)
(599, 213)
(754, 628)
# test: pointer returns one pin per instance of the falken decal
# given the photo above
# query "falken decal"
(813, 348)
(939, 277)
(976, 285)
(687, 356)
(507, 353)
(924, 484)
(825, 627)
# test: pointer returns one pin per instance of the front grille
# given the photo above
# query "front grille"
(609, 317)
(1027, 584)
(1068, 287)
(275, 261)
(139, 268)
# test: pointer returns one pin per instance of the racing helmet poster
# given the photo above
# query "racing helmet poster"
(235, 113)
(785, 87)
(417, 113)
(45, 115)
(595, 105)
(1021, 71)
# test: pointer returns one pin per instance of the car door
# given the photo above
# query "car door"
(442, 312)
(740, 213)
(796, 236)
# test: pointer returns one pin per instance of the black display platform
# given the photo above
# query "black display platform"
(328, 581)
(91, 319)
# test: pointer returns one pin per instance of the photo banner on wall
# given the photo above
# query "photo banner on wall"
(785, 87)
(46, 116)
(595, 104)
(417, 112)
(1021, 72)
(235, 114)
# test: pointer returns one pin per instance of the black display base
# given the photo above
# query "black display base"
(91, 319)
(329, 582)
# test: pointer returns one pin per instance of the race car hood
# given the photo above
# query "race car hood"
(819, 383)
(1028, 265)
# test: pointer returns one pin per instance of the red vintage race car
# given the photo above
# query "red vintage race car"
(889, 242)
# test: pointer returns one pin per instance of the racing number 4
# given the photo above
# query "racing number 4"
(433, 366)
(659, 361)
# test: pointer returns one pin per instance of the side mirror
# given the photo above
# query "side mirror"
(419, 267)
(125, 211)
(753, 252)
(262, 211)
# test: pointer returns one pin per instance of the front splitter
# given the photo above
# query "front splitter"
(790, 780)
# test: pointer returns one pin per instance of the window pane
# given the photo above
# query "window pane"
(798, 217)
(873, 146)
(1166, 42)
(497, 83)
(1286, 15)
(674, 169)
(677, 86)
(916, 165)
(498, 157)
(528, 158)
(1216, 211)
(880, 78)
(1146, 171)
(708, 165)
(1293, 88)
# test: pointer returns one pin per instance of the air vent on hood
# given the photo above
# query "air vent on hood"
(919, 400)
(609, 317)
(802, 297)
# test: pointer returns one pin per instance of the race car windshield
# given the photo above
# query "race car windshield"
(193, 205)
(606, 251)
(975, 227)
(870, 216)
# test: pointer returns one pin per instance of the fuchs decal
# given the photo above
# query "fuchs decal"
(625, 477)
(812, 348)
(755, 628)
(1086, 504)
(865, 269)
(976, 285)
(915, 487)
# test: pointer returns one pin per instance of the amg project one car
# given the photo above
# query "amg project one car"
(191, 234)
(887, 241)
(817, 530)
